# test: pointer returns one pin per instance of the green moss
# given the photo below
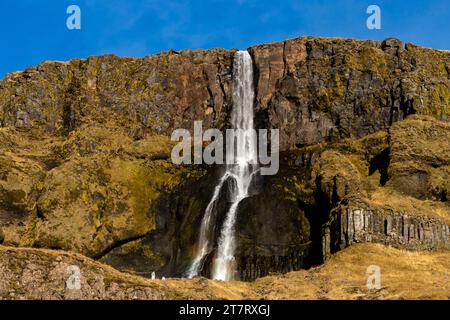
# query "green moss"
(27, 240)
(146, 183)
(339, 177)
(439, 103)
(293, 186)
(339, 87)
(142, 185)
(360, 164)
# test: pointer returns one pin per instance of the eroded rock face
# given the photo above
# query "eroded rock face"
(355, 224)
(312, 89)
(390, 196)
(155, 94)
(85, 152)
(318, 90)
(420, 159)
(273, 235)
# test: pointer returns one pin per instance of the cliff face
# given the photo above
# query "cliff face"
(353, 224)
(312, 89)
(322, 90)
(407, 207)
(85, 153)
(154, 95)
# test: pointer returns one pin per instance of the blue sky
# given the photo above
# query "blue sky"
(35, 30)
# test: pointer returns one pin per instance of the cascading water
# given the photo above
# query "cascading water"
(241, 167)
(244, 164)
(204, 246)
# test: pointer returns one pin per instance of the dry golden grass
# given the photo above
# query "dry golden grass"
(387, 197)
(404, 275)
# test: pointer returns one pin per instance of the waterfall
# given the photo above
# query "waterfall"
(241, 166)
(244, 164)
(204, 245)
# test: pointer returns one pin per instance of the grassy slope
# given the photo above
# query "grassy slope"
(404, 275)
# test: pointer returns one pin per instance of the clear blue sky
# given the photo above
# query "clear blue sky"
(35, 30)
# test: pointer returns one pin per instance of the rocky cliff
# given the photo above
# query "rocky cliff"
(85, 154)
(322, 90)
(353, 224)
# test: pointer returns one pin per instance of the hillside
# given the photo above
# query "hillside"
(42, 274)
(365, 158)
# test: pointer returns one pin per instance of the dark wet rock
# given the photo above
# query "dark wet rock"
(273, 236)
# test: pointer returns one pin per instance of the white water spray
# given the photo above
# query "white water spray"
(243, 165)
(204, 246)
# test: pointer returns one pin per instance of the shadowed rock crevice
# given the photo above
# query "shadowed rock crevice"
(380, 163)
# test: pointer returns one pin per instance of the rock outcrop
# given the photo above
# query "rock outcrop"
(320, 90)
(355, 223)
(407, 208)
(46, 274)
(420, 159)
(155, 94)
(271, 242)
